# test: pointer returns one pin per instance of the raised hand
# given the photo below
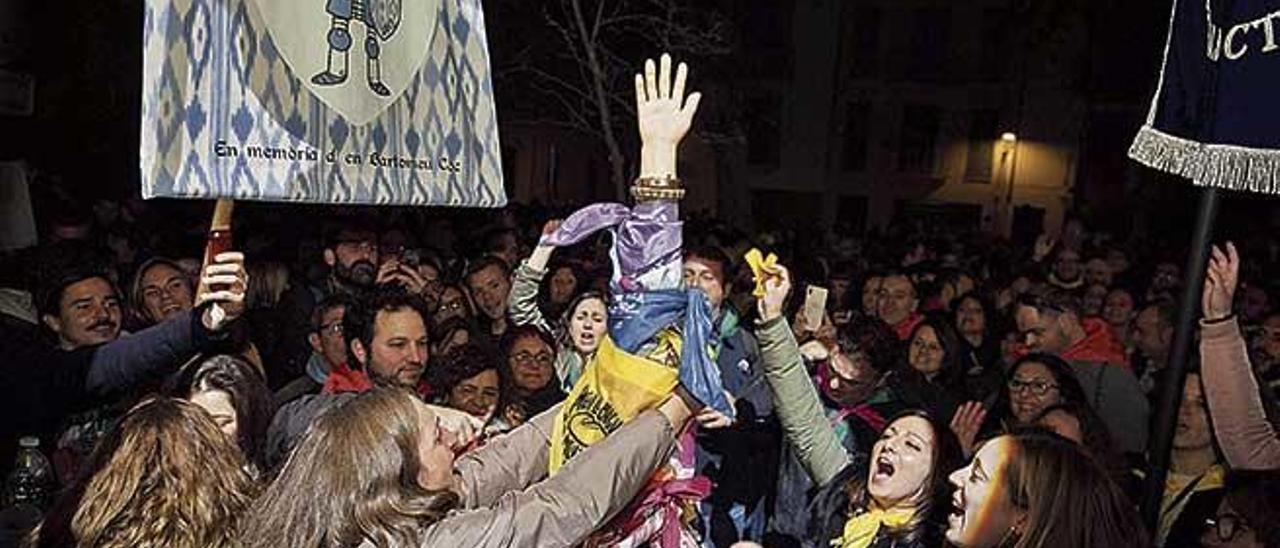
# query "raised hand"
(223, 282)
(966, 423)
(776, 288)
(551, 227)
(664, 115)
(1221, 279)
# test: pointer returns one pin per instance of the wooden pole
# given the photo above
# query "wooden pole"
(219, 239)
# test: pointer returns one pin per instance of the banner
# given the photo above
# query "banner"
(1213, 119)
(331, 101)
(614, 388)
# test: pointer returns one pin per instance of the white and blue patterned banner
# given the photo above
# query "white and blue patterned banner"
(332, 101)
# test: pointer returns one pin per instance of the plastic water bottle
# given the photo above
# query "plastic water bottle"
(31, 481)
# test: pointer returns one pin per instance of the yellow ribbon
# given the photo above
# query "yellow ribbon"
(861, 529)
(761, 268)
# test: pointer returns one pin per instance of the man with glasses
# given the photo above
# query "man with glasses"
(1051, 324)
(328, 350)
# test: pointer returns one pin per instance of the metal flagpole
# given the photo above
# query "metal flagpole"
(1176, 374)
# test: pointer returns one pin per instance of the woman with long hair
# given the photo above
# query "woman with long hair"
(1034, 383)
(165, 476)
(234, 394)
(1035, 489)
(378, 471)
(975, 319)
(582, 324)
(887, 499)
(932, 374)
(160, 289)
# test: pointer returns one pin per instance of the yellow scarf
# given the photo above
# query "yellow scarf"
(761, 267)
(861, 529)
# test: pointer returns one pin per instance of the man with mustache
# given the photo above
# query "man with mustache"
(82, 308)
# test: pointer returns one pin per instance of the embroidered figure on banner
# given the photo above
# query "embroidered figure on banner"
(381, 19)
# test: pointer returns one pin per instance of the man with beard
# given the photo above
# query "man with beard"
(351, 257)
(386, 345)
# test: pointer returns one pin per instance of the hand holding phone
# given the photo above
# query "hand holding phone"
(815, 305)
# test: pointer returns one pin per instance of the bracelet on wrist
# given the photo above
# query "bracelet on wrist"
(667, 188)
(1224, 319)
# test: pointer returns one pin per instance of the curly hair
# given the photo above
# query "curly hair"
(461, 363)
(357, 470)
(165, 476)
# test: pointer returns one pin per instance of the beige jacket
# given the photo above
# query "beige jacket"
(1248, 440)
(508, 500)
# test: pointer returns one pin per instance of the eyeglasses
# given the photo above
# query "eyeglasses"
(1038, 388)
(1226, 526)
(541, 358)
(451, 306)
(334, 328)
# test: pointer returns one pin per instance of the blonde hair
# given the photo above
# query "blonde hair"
(165, 476)
(357, 469)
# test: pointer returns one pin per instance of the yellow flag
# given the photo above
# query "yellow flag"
(614, 388)
(761, 266)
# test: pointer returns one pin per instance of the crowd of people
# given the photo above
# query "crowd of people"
(347, 379)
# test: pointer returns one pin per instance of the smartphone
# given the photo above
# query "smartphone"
(815, 304)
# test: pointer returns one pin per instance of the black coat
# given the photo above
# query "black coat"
(44, 385)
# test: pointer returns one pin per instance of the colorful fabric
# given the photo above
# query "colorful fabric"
(861, 529)
(761, 268)
(635, 318)
(663, 513)
(646, 242)
(614, 388)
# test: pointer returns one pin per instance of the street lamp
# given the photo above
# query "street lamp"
(1009, 140)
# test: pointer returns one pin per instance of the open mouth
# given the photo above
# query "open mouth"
(955, 520)
(884, 468)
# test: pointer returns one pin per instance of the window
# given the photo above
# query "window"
(856, 127)
(982, 136)
(764, 128)
(917, 139)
